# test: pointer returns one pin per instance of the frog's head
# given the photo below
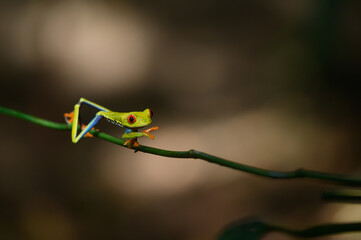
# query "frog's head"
(129, 119)
(137, 119)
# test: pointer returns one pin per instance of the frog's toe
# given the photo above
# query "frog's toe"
(128, 142)
(150, 136)
(69, 117)
(146, 132)
(88, 134)
(151, 129)
(132, 143)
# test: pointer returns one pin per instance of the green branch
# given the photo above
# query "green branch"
(252, 229)
(300, 173)
(342, 195)
(323, 230)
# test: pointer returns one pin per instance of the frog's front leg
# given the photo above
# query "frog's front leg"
(131, 136)
(132, 143)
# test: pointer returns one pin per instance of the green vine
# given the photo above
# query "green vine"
(252, 229)
(342, 195)
(299, 173)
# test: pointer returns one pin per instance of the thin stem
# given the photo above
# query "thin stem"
(322, 230)
(300, 173)
(342, 195)
(255, 229)
(36, 120)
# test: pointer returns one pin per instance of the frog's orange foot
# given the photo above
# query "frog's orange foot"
(88, 134)
(132, 143)
(69, 117)
(149, 130)
(150, 136)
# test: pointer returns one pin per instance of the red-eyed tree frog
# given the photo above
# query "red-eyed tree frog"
(131, 121)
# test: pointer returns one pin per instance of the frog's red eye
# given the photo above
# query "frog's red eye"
(131, 119)
(150, 113)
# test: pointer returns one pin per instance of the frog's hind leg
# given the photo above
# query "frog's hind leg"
(92, 104)
(73, 118)
(74, 137)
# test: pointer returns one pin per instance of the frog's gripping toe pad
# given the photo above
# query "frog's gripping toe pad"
(69, 117)
(88, 134)
(132, 143)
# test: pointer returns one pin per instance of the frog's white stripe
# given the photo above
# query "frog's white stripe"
(113, 121)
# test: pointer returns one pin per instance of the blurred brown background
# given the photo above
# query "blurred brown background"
(267, 83)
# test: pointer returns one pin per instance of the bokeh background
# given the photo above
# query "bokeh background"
(271, 84)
